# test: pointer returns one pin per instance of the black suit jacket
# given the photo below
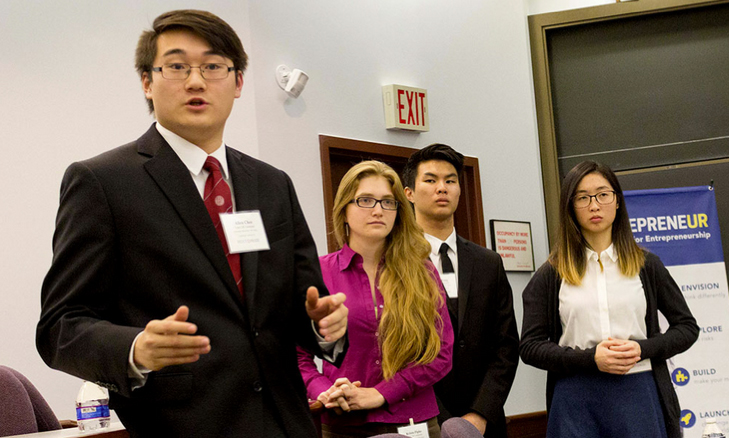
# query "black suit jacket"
(133, 242)
(486, 347)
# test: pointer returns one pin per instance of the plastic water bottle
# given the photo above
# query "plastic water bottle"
(711, 430)
(92, 407)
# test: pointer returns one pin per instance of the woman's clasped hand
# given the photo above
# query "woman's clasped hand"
(345, 396)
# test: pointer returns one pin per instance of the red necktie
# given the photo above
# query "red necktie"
(217, 200)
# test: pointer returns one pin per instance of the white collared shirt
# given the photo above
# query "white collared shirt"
(435, 244)
(605, 305)
(194, 159)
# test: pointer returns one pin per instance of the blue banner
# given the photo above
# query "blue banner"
(679, 225)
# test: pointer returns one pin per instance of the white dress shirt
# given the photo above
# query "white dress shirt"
(607, 304)
(194, 159)
(451, 286)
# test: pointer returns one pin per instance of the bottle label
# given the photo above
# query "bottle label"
(90, 412)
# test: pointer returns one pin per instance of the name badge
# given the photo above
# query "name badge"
(244, 231)
(419, 430)
(450, 284)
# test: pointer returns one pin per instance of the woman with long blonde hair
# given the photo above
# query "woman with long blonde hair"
(399, 332)
(591, 320)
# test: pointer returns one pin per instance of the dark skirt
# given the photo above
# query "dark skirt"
(606, 405)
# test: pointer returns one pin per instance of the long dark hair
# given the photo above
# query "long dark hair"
(569, 255)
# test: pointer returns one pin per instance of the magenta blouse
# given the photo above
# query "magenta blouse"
(409, 393)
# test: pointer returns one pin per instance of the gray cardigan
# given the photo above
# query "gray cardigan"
(541, 330)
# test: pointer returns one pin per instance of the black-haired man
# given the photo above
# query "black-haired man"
(156, 290)
(485, 353)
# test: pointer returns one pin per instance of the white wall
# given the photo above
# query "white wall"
(70, 92)
(544, 6)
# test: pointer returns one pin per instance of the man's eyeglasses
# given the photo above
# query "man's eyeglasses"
(366, 202)
(602, 198)
(180, 71)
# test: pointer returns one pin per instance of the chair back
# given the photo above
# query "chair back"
(22, 408)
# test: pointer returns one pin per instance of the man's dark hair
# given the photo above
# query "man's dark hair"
(436, 151)
(218, 34)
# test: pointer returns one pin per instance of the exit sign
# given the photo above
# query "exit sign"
(405, 108)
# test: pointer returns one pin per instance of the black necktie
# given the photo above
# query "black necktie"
(447, 267)
(445, 261)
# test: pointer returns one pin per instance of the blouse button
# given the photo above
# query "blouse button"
(377, 362)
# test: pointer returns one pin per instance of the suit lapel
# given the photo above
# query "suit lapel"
(173, 178)
(465, 268)
(245, 186)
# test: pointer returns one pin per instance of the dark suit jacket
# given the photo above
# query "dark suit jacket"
(486, 347)
(133, 242)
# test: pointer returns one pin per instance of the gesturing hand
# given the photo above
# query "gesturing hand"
(329, 313)
(170, 342)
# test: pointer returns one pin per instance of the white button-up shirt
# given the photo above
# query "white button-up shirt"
(194, 159)
(450, 285)
(607, 304)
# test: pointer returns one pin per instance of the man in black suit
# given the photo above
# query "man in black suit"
(480, 303)
(153, 296)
